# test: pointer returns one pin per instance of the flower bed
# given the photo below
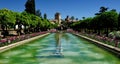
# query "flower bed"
(113, 40)
(10, 40)
(107, 40)
(53, 30)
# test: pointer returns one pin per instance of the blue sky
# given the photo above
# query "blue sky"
(76, 8)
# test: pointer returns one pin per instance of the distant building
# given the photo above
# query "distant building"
(67, 19)
(58, 18)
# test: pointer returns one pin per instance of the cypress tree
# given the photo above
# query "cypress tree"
(45, 16)
(38, 13)
(30, 6)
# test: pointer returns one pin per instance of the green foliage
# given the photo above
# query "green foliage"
(119, 21)
(72, 18)
(109, 19)
(9, 18)
(104, 22)
(114, 34)
(82, 24)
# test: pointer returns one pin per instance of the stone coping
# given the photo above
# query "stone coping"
(5, 48)
(112, 49)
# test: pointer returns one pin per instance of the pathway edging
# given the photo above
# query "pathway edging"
(5, 48)
(114, 50)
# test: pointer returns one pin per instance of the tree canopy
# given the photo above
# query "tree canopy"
(8, 19)
(104, 22)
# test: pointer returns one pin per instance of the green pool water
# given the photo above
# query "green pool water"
(58, 48)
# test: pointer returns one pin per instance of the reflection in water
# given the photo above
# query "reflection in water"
(59, 49)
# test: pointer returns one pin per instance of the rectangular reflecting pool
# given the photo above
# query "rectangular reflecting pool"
(58, 48)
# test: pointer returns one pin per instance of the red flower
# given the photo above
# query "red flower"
(3, 40)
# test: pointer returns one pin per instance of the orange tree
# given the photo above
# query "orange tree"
(7, 20)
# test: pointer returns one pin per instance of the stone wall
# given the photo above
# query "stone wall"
(11, 32)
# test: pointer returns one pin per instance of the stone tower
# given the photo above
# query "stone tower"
(58, 18)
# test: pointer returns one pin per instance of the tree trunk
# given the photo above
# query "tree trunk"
(107, 32)
(98, 31)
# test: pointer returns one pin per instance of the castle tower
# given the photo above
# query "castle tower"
(58, 18)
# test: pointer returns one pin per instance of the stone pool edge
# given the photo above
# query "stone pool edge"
(114, 50)
(5, 48)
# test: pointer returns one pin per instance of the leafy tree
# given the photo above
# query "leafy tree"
(85, 24)
(102, 9)
(113, 10)
(74, 26)
(7, 20)
(119, 21)
(83, 18)
(31, 22)
(72, 18)
(109, 20)
(76, 19)
(96, 24)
